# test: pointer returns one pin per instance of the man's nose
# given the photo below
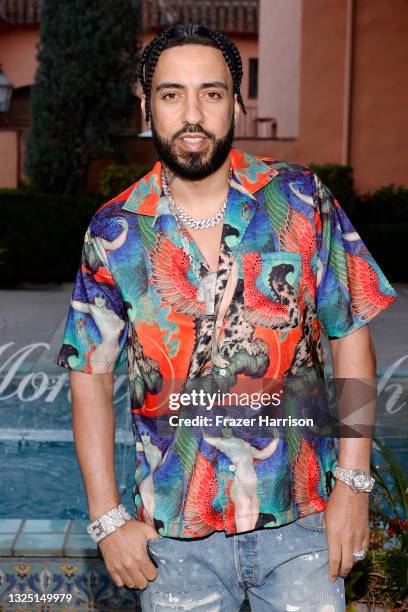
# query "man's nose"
(192, 110)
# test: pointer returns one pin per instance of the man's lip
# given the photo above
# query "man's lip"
(201, 136)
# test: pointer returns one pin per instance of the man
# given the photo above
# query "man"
(218, 265)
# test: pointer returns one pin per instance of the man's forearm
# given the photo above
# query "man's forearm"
(93, 420)
(354, 364)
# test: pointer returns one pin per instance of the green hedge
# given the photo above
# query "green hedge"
(115, 178)
(339, 180)
(41, 236)
(388, 204)
(387, 244)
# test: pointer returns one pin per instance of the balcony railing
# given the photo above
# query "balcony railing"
(20, 11)
(232, 16)
(252, 126)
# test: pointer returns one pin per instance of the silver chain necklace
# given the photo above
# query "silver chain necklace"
(187, 219)
(207, 283)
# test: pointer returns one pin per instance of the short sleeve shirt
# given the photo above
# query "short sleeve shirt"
(291, 265)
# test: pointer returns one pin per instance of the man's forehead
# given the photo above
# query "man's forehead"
(193, 63)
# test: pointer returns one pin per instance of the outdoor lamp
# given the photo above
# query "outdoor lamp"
(6, 89)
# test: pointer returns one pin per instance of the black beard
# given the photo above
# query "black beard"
(192, 168)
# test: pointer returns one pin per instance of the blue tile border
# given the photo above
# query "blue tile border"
(9, 525)
(78, 526)
(46, 538)
(39, 544)
(6, 544)
(80, 546)
(45, 526)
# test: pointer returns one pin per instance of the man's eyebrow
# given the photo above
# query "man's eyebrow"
(167, 85)
(214, 84)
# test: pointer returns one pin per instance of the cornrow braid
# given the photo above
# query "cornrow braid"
(184, 34)
(233, 59)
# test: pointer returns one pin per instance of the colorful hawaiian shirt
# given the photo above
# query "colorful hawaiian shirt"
(290, 265)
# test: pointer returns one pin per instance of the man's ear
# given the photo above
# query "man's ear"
(237, 108)
(143, 105)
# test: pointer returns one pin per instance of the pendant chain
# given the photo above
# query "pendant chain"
(188, 219)
(206, 291)
(186, 246)
(179, 214)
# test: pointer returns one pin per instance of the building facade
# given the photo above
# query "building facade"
(323, 80)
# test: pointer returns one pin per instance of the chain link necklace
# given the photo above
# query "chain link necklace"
(207, 283)
(187, 219)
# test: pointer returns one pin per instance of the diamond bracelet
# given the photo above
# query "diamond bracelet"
(107, 523)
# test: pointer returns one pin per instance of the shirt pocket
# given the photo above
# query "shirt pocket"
(271, 289)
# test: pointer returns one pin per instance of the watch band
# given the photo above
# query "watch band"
(107, 523)
(358, 480)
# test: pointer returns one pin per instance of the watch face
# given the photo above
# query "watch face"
(360, 481)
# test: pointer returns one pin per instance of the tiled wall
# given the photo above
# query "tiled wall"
(56, 557)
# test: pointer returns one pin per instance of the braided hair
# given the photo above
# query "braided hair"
(189, 34)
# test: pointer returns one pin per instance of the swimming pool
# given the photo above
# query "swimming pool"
(40, 476)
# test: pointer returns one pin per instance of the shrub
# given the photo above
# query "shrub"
(115, 178)
(388, 204)
(339, 179)
(41, 236)
(386, 242)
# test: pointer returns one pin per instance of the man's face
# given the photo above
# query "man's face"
(193, 110)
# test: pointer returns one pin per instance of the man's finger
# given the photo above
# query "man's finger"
(134, 579)
(347, 559)
(117, 579)
(334, 557)
(148, 568)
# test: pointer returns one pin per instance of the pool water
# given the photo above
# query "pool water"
(43, 479)
(40, 475)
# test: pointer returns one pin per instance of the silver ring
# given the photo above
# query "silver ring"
(359, 555)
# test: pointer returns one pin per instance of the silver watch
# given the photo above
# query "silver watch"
(107, 523)
(359, 480)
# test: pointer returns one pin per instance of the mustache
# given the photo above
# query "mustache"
(193, 128)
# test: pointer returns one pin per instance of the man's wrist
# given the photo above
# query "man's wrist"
(108, 522)
(96, 510)
(359, 480)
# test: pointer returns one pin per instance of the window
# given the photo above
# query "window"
(253, 77)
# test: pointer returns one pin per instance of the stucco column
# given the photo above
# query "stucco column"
(279, 64)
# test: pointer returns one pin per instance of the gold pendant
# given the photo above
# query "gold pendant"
(206, 291)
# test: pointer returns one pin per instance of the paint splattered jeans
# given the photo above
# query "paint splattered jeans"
(279, 569)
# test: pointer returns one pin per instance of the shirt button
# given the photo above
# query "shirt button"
(232, 468)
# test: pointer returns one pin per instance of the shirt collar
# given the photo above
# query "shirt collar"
(250, 172)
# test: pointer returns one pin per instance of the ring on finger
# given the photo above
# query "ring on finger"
(359, 555)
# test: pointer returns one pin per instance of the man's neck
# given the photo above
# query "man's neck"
(204, 197)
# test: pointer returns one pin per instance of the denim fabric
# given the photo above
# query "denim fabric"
(279, 569)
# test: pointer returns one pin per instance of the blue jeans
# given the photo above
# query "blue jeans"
(279, 569)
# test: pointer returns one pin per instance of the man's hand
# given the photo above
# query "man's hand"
(347, 524)
(346, 515)
(125, 554)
